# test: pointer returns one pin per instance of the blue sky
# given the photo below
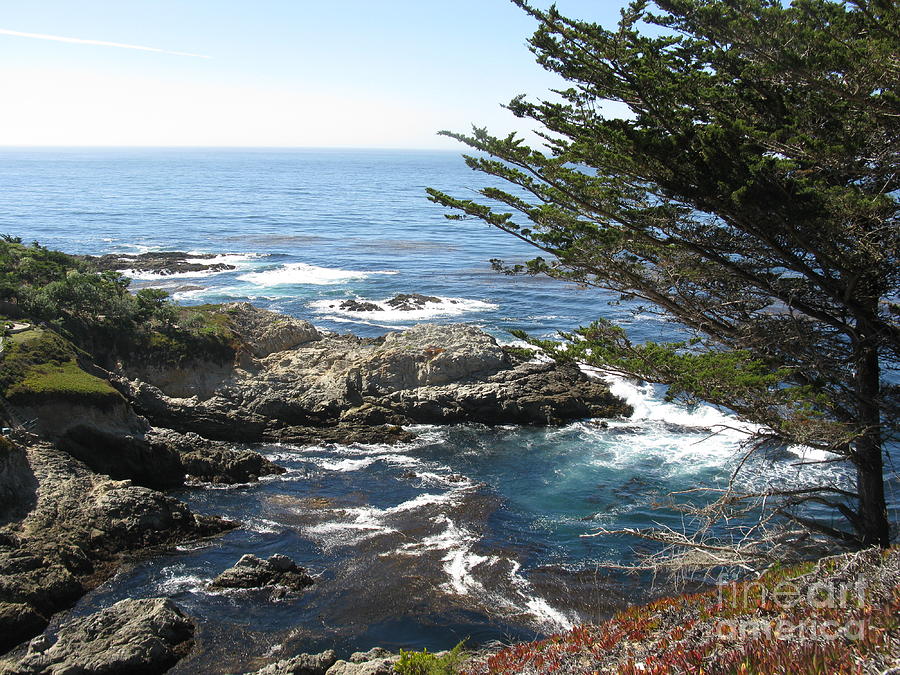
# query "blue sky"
(345, 73)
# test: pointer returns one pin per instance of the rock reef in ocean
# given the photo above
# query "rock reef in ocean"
(402, 302)
(160, 263)
(278, 572)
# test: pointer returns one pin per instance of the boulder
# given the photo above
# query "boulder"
(304, 664)
(278, 572)
(265, 332)
(132, 636)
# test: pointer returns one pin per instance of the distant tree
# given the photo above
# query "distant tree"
(750, 193)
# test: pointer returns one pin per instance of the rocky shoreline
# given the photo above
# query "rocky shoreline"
(82, 491)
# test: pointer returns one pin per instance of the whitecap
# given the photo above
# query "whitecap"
(175, 580)
(346, 464)
(304, 273)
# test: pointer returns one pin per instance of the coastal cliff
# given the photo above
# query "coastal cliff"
(290, 382)
(80, 490)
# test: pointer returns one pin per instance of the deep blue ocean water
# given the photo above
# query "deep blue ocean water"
(468, 532)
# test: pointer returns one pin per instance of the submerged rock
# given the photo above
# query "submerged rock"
(132, 636)
(278, 571)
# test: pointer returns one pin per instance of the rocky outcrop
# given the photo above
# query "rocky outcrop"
(17, 485)
(278, 572)
(132, 636)
(264, 332)
(54, 418)
(334, 386)
(161, 458)
(531, 393)
(78, 526)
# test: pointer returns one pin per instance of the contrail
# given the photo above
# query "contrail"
(101, 43)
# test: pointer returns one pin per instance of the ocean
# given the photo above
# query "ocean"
(469, 532)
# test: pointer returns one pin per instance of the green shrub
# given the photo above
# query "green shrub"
(425, 663)
(201, 333)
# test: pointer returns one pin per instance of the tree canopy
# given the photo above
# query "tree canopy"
(750, 193)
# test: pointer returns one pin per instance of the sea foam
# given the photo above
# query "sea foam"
(292, 274)
(388, 314)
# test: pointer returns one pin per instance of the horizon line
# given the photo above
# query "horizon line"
(217, 147)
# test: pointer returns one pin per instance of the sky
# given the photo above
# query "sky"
(267, 73)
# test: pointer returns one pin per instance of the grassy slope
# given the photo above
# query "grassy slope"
(39, 366)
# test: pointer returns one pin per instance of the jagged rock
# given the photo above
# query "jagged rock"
(278, 571)
(132, 636)
(78, 526)
(304, 664)
(403, 302)
(212, 461)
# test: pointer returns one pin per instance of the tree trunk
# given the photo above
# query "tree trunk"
(873, 528)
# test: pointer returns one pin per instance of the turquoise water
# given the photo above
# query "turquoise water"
(467, 532)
